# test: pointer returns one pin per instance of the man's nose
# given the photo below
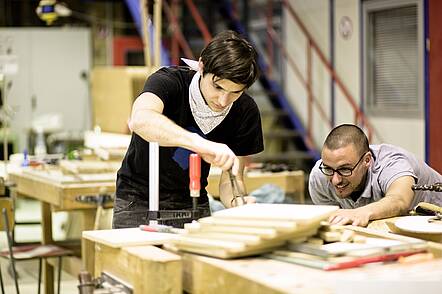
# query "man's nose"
(336, 178)
(223, 99)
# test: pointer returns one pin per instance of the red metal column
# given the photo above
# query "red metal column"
(435, 85)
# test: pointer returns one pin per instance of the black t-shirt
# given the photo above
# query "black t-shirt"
(240, 130)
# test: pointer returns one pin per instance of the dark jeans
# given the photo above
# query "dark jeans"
(131, 211)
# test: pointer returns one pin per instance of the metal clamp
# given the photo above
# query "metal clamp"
(236, 192)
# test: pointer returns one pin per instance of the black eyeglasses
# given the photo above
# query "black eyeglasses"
(344, 172)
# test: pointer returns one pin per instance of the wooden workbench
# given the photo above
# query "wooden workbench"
(291, 182)
(129, 255)
(201, 274)
(59, 193)
(261, 275)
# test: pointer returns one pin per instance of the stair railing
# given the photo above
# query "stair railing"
(312, 47)
(177, 33)
(178, 40)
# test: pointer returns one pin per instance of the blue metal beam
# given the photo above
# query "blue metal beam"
(134, 8)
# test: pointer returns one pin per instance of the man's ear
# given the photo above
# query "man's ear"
(200, 66)
(367, 159)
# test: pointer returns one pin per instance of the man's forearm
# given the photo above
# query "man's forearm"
(388, 206)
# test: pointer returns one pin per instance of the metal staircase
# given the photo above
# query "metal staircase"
(287, 138)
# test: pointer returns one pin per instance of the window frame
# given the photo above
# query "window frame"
(369, 6)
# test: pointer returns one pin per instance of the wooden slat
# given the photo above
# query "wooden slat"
(260, 275)
(301, 214)
(118, 238)
(289, 221)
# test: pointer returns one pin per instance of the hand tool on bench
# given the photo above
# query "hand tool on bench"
(424, 208)
(99, 200)
(155, 216)
(433, 187)
(194, 179)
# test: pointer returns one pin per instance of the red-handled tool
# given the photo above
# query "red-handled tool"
(195, 177)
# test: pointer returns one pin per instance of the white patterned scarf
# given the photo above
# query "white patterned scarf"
(205, 118)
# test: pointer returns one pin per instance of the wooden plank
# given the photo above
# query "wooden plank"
(301, 214)
(433, 247)
(127, 237)
(113, 90)
(208, 248)
(424, 236)
(41, 190)
(55, 175)
(251, 275)
(61, 196)
(159, 271)
(293, 221)
(280, 226)
(6, 202)
(88, 255)
(147, 269)
(88, 166)
(291, 182)
(263, 233)
(386, 225)
(260, 275)
(419, 224)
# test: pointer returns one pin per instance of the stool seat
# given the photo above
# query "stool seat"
(27, 252)
(24, 252)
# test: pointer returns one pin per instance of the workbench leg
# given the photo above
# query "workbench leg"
(46, 228)
(88, 255)
(88, 219)
(87, 246)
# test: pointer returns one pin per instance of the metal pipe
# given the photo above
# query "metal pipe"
(145, 32)
(154, 174)
(199, 21)
(157, 25)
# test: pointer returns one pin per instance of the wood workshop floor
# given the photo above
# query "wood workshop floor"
(28, 270)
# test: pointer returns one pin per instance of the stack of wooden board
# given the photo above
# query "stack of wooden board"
(338, 247)
(57, 176)
(251, 229)
(88, 166)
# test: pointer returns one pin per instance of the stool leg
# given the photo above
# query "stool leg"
(1, 281)
(39, 275)
(59, 274)
(14, 274)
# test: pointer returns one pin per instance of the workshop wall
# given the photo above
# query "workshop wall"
(346, 43)
(52, 77)
(315, 15)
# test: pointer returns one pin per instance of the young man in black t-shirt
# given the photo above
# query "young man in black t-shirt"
(204, 111)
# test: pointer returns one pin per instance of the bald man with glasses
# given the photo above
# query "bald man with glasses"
(368, 182)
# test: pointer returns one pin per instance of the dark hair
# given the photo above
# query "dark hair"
(345, 135)
(230, 56)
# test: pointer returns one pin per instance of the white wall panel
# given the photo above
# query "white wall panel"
(54, 65)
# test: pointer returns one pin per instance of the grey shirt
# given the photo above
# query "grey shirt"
(388, 164)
